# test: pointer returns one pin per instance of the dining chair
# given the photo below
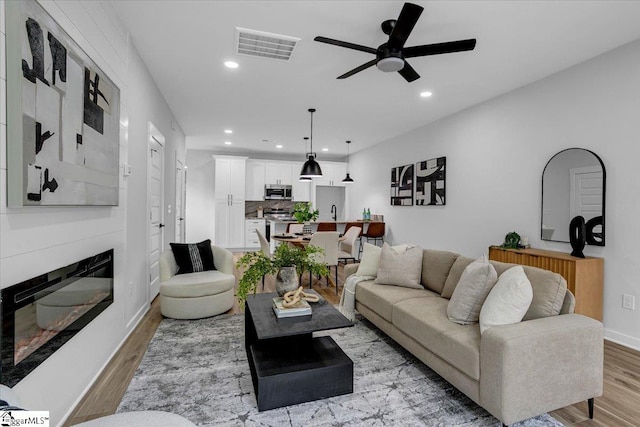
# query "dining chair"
(375, 231)
(328, 242)
(294, 227)
(265, 248)
(327, 226)
(347, 247)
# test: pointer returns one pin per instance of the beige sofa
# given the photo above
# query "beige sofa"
(547, 361)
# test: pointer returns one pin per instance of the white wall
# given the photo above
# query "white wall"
(36, 240)
(496, 152)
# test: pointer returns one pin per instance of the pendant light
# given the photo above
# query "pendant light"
(304, 178)
(348, 179)
(311, 168)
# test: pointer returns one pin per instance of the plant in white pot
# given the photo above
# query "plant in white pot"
(304, 214)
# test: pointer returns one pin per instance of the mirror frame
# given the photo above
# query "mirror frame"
(604, 193)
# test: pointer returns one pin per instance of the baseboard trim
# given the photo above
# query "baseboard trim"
(622, 339)
(131, 326)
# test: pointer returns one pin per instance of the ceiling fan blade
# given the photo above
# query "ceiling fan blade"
(438, 48)
(404, 25)
(345, 44)
(358, 69)
(409, 73)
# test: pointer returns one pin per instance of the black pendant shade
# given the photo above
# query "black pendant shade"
(348, 179)
(311, 168)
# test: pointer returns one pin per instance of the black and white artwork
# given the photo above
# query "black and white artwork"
(402, 185)
(63, 116)
(430, 182)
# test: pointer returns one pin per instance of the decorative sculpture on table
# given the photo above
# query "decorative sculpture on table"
(577, 233)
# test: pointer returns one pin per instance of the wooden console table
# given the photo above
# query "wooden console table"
(584, 276)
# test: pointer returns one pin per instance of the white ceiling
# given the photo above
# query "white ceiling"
(184, 44)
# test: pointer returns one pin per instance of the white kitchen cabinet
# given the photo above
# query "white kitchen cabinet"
(301, 190)
(229, 191)
(332, 174)
(278, 173)
(251, 240)
(255, 180)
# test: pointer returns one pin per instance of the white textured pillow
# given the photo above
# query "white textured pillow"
(370, 260)
(508, 301)
(472, 289)
(400, 269)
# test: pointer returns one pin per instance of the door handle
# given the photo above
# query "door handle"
(160, 225)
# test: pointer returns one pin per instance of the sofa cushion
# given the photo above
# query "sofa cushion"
(192, 285)
(474, 286)
(454, 275)
(549, 289)
(508, 301)
(425, 320)
(435, 268)
(193, 257)
(370, 260)
(381, 298)
(400, 269)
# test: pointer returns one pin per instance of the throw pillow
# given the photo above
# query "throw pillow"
(474, 285)
(193, 257)
(508, 301)
(400, 269)
(370, 260)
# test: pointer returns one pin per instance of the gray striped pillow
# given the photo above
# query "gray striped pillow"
(193, 257)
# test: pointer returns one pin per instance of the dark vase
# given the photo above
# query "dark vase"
(287, 280)
(577, 235)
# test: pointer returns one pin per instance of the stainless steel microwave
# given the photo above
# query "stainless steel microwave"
(277, 192)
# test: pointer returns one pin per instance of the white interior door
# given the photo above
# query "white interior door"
(179, 202)
(156, 211)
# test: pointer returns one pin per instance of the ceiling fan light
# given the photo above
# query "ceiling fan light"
(347, 179)
(311, 169)
(390, 64)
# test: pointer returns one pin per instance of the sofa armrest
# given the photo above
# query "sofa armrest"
(350, 269)
(222, 259)
(540, 365)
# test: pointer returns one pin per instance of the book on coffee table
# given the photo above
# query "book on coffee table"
(301, 308)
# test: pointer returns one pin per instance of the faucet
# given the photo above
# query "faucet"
(334, 211)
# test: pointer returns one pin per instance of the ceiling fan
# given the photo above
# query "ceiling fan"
(390, 56)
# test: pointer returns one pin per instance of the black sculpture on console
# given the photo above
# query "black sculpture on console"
(577, 235)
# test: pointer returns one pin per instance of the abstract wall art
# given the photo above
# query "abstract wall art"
(430, 182)
(402, 185)
(63, 116)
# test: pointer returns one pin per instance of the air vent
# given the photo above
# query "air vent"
(265, 45)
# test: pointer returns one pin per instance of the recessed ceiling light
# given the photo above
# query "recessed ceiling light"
(228, 131)
(227, 143)
(279, 146)
(325, 149)
(231, 64)
(425, 94)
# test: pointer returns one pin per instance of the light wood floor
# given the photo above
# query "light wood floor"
(618, 407)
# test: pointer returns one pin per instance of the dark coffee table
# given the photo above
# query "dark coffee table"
(288, 364)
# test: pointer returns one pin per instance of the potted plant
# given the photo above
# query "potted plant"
(287, 263)
(303, 212)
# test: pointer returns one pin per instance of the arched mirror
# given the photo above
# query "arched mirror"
(573, 184)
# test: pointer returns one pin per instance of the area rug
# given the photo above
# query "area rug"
(198, 369)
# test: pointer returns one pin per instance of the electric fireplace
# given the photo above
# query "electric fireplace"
(39, 315)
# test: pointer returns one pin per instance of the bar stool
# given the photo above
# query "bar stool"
(327, 226)
(375, 231)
